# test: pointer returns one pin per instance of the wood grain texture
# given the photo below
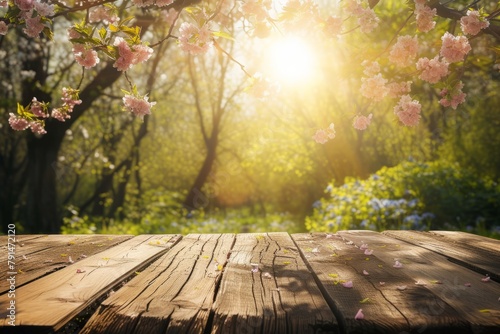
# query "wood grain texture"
(173, 295)
(335, 262)
(51, 301)
(482, 260)
(473, 240)
(39, 255)
(446, 305)
(285, 300)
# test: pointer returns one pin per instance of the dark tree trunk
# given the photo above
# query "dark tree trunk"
(196, 198)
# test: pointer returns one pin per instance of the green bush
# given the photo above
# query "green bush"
(420, 196)
(162, 212)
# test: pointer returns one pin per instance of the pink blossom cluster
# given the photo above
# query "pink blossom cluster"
(19, 123)
(396, 89)
(257, 13)
(374, 88)
(362, 122)
(424, 16)
(129, 56)
(323, 135)
(333, 26)
(39, 109)
(404, 52)
(454, 97)
(432, 70)
(306, 16)
(138, 105)
(262, 87)
(193, 39)
(454, 48)
(87, 58)
(255, 10)
(367, 19)
(3, 28)
(102, 14)
(371, 68)
(31, 13)
(408, 111)
(70, 100)
(472, 23)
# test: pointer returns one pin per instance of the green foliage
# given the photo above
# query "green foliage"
(420, 196)
(164, 214)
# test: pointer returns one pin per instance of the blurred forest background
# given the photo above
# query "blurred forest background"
(213, 158)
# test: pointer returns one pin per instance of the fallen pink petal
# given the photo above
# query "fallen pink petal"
(79, 271)
(365, 273)
(368, 251)
(363, 247)
(348, 284)
(486, 279)
(381, 283)
(255, 267)
(267, 275)
(468, 285)
(70, 260)
(359, 315)
(401, 287)
(398, 264)
(420, 282)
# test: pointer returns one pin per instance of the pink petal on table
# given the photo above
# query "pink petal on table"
(401, 287)
(468, 285)
(347, 284)
(315, 250)
(24, 257)
(267, 275)
(419, 282)
(365, 273)
(368, 251)
(79, 271)
(255, 267)
(381, 283)
(70, 260)
(398, 264)
(349, 243)
(328, 235)
(363, 247)
(486, 279)
(359, 315)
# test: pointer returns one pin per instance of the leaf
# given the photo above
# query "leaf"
(114, 28)
(223, 34)
(366, 300)
(102, 33)
(484, 311)
(333, 275)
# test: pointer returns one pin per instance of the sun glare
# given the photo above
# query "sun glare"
(291, 60)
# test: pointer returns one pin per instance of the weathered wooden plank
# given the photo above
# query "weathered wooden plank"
(444, 301)
(51, 301)
(280, 297)
(39, 255)
(483, 261)
(477, 241)
(173, 295)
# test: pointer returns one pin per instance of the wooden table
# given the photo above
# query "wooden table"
(253, 283)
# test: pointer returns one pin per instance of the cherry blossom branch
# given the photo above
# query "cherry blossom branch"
(242, 67)
(169, 35)
(454, 14)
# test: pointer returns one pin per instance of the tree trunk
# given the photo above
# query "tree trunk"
(196, 199)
